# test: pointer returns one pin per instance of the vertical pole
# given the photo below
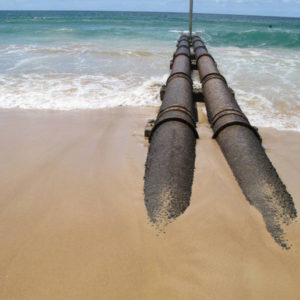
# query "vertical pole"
(191, 18)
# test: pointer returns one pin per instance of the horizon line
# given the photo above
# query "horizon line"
(140, 11)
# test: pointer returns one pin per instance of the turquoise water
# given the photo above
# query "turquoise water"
(90, 60)
(218, 30)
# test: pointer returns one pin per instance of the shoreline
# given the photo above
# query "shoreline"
(152, 110)
(73, 223)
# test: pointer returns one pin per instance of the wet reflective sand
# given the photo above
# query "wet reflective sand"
(73, 223)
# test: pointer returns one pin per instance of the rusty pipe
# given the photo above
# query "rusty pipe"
(242, 148)
(171, 156)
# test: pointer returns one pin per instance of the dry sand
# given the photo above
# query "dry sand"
(73, 223)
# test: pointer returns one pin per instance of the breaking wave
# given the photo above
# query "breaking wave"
(68, 92)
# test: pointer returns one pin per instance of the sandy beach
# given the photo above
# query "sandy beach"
(73, 223)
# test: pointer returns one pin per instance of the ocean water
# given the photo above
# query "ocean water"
(92, 60)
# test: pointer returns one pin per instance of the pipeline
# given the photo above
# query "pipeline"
(171, 156)
(242, 148)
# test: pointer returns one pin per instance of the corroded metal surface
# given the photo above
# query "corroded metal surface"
(241, 146)
(171, 157)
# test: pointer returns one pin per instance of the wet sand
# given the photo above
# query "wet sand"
(73, 223)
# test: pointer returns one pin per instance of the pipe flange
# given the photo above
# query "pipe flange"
(183, 46)
(210, 76)
(184, 37)
(226, 112)
(197, 42)
(172, 119)
(240, 123)
(206, 54)
(180, 75)
(198, 47)
(230, 117)
(176, 108)
(162, 118)
(180, 53)
(182, 40)
(197, 39)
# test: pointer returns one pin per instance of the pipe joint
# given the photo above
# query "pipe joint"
(184, 41)
(230, 117)
(183, 38)
(199, 47)
(180, 75)
(182, 51)
(198, 57)
(183, 46)
(197, 39)
(198, 43)
(210, 76)
(177, 113)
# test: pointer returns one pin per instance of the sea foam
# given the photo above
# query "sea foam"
(85, 60)
(70, 92)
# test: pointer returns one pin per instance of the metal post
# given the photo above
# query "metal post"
(191, 17)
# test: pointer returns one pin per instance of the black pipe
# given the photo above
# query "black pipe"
(171, 157)
(241, 146)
